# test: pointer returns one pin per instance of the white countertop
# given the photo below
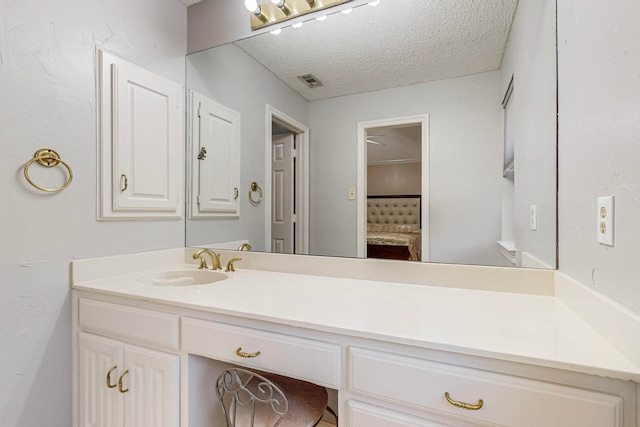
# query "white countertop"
(531, 329)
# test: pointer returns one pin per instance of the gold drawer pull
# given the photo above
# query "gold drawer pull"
(463, 405)
(109, 385)
(241, 353)
(120, 380)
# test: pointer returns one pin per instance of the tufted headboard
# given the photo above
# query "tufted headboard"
(394, 210)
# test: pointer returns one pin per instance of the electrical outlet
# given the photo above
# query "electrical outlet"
(605, 220)
(534, 218)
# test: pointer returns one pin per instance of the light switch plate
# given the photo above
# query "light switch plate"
(605, 216)
(352, 193)
(534, 218)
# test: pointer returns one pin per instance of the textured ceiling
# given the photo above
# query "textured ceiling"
(397, 43)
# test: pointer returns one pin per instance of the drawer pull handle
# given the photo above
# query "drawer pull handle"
(463, 405)
(120, 380)
(241, 353)
(109, 385)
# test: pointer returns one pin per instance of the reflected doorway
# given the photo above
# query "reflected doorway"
(287, 181)
(393, 183)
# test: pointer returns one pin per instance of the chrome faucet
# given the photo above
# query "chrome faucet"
(215, 259)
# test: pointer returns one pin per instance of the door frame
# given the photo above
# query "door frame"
(361, 198)
(301, 138)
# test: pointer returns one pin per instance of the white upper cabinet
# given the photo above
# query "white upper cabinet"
(214, 158)
(141, 142)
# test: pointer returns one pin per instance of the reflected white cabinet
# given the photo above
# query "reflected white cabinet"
(141, 142)
(123, 385)
(214, 157)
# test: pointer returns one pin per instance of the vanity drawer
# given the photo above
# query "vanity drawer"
(142, 325)
(301, 358)
(507, 400)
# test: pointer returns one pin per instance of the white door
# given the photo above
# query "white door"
(282, 190)
(100, 364)
(152, 382)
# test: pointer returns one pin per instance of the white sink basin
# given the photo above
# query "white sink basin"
(186, 277)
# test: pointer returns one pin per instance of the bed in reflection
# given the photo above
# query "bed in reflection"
(393, 227)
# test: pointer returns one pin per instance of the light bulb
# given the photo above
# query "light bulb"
(279, 3)
(321, 18)
(347, 11)
(297, 25)
(374, 3)
(251, 5)
(276, 31)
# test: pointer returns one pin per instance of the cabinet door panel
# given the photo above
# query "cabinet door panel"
(216, 175)
(145, 134)
(363, 415)
(141, 146)
(152, 399)
(100, 406)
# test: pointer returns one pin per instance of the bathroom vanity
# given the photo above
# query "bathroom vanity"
(148, 346)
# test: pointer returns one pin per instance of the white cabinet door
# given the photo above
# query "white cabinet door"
(214, 159)
(100, 362)
(152, 382)
(141, 142)
(363, 415)
(126, 385)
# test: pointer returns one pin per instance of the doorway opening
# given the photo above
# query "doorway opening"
(287, 184)
(393, 189)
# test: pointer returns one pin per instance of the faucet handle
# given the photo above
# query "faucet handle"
(230, 264)
(203, 263)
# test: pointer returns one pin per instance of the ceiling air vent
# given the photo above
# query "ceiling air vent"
(310, 80)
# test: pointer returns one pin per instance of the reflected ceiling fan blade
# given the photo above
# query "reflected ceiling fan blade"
(370, 139)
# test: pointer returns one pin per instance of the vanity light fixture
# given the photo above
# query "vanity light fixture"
(253, 7)
(271, 12)
(282, 5)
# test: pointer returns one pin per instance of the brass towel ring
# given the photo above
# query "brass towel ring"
(47, 158)
(255, 187)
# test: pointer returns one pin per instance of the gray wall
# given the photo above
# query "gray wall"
(599, 150)
(531, 58)
(465, 165)
(229, 76)
(47, 82)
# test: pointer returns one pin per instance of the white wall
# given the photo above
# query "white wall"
(231, 77)
(465, 165)
(599, 149)
(530, 56)
(48, 100)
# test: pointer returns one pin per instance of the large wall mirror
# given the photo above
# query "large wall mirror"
(419, 130)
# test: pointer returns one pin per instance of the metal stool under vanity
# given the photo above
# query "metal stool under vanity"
(252, 400)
